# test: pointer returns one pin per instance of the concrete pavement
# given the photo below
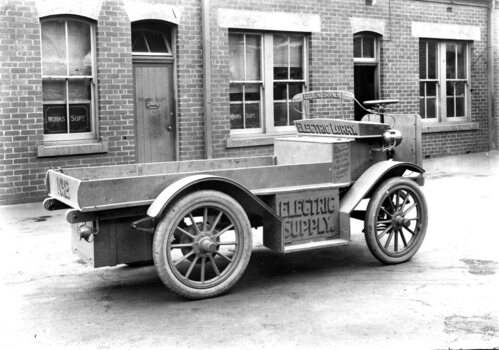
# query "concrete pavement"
(445, 297)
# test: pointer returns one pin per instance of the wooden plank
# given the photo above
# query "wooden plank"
(128, 170)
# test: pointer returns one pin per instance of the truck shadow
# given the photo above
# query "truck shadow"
(265, 270)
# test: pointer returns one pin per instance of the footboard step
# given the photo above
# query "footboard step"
(314, 245)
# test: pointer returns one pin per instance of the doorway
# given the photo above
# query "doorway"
(366, 53)
(154, 87)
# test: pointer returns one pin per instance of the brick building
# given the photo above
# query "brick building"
(108, 82)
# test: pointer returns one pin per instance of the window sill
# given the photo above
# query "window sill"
(254, 140)
(70, 148)
(445, 127)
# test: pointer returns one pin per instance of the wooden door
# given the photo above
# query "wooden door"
(154, 111)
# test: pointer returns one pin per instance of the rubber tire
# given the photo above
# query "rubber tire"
(372, 211)
(181, 207)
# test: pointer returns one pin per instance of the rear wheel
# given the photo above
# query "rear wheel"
(203, 244)
(396, 221)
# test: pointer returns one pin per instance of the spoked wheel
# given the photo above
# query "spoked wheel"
(203, 244)
(396, 221)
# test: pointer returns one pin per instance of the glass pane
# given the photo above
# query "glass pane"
(252, 115)
(431, 108)
(460, 110)
(422, 60)
(431, 89)
(156, 42)
(422, 107)
(461, 61)
(460, 88)
(368, 46)
(253, 57)
(139, 42)
(236, 116)
(236, 49)
(54, 90)
(280, 57)
(280, 114)
(421, 89)
(296, 57)
(252, 92)
(54, 119)
(280, 91)
(54, 48)
(294, 112)
(236, 92)
(357, 47)
(432, 60)
(80, 51)
(450, 107)
(451, 61)
(294, 89)
(450, 89)
(79, 90)
(79, 118)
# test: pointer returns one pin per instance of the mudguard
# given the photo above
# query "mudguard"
(251, 203)
(374, 176)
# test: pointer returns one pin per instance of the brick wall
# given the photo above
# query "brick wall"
(22, 171)
(496, 75)
(330, 67)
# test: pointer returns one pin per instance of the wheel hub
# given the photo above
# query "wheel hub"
(399, 221)
(205, 244)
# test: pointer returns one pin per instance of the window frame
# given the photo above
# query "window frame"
(442, 80)
(67, 78)
(267, 84)
(376, 49)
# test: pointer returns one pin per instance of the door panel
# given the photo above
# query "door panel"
(155, 112)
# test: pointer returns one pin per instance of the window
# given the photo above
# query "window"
(151, 39)
(68, 79)
(259, 61)
(444, 81)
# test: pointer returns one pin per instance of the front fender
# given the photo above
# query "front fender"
(371, 178)
(251, 203)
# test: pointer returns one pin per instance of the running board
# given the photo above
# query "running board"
(314, 245)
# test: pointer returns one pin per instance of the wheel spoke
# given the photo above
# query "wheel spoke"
(410, 231)
(389, 240)
(224, 256)
(386, 212)
(223, 231)
(389, 198)
(403, 238)
(205, 219)
(215, 223)
(191, 236)
(405, 201)
(194, 224)
(396, 241)
(203, 268)
(384, 232)
(193, 263)
(184, 257)
(214, 264)
(384, 221)
(182, 245)
(397, 195)
(410, 208)
(227, 243)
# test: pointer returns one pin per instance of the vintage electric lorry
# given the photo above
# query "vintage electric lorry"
(194, 219)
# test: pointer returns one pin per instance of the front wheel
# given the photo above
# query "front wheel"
(202, 245)
(396, 221)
